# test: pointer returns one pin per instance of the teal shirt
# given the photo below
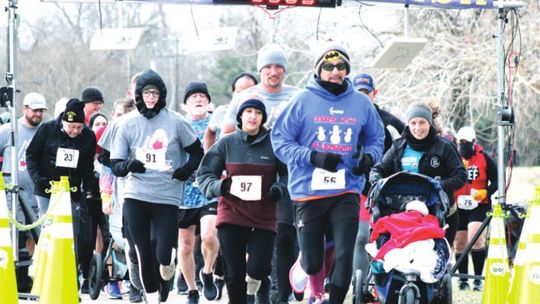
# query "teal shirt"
(411, 159)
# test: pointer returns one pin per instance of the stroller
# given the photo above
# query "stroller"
(402, 285)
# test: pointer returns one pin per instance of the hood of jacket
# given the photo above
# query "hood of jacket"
(149, 77)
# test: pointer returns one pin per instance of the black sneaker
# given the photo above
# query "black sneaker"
(135, 295)
(219, 283)
(210, 290)
(84, 287)
(478, 286)
(181, 285)
(463, 285)
(263, 294)
(193, 297)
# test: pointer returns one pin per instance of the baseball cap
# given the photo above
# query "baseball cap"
(363, 81)
(35, 101)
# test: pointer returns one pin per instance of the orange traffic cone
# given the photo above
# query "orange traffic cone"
(526, 283)
(8, 281)
(496, 269)
(60, 280)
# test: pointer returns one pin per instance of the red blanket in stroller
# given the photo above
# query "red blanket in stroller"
(404, 228)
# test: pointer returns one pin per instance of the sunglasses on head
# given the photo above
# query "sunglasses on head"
(329, 67)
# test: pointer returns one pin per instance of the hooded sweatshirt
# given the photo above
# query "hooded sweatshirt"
(317, 120)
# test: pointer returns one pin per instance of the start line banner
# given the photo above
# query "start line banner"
(455, 4)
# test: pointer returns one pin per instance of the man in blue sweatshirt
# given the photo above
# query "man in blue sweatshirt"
(328, 136)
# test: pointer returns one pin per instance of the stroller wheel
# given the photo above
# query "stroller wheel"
(357, 287)
(95, 276)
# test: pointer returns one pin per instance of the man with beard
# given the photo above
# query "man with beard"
(34, 106)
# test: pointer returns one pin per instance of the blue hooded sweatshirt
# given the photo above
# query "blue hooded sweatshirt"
(316, 119)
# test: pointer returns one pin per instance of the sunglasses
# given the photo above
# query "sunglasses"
(327, 66)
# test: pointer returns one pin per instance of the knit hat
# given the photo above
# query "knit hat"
(74, 111)
(35, 101)
(364, 81)
(466, 133)
(252, 102)
(91, 94)
(196, 87)
(417, 206)
(332, 52)
(420, 109)
(271, 54)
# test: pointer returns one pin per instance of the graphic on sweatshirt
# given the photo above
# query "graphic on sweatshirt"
(340, 129)
(153, 152)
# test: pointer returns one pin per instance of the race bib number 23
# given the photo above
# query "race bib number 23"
(67, 158)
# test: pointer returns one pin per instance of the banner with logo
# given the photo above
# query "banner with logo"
(453, 4)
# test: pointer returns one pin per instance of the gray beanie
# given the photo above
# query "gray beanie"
(331, 52)
(420, 109)
(271, 54)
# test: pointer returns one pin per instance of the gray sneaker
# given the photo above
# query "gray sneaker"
(478, 285)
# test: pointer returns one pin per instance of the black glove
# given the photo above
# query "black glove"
(226, 186)
(363, 165)
(181, 174)
(324, 160)
(135, 166)
(275, 193)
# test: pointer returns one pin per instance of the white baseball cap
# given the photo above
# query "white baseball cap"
(466, 133)
(35, 101)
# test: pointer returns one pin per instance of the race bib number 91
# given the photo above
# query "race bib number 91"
(152, 159)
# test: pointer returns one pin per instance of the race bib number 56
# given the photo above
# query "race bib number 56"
(326, 180)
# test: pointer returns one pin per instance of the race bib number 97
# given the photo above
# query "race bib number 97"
(247, 187)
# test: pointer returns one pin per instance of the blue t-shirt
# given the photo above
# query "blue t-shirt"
(411, 159)
(193, 198)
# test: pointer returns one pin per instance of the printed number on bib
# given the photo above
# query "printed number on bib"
(67, 158)
(466, 202)
(247, 187)
(152, 159)
(326, 180)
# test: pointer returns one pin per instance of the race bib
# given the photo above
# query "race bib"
(152, 159)
(67, 158)
(466, 202)
(247, 187)
(326, 180)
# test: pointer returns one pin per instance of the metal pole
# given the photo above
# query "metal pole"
(12, 106)
(406, 21)
(501, 170)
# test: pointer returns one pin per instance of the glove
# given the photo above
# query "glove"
(181, 174)
(275, 193)
(135, 166)
(479, 195)
(374, 178)
(324, 160)
(363, 165)
(226, 186)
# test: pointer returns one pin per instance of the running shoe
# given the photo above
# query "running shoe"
(210, 290)
(298, 277)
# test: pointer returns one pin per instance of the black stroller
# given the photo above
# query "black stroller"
(390, 196)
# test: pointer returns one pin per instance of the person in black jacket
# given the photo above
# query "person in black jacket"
(66, 147)
(421, 150)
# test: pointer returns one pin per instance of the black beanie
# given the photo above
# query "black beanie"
(251, 103)
(74, 111)
(91, 94)
(196, 87)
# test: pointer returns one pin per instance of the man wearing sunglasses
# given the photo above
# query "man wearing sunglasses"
(328, 136)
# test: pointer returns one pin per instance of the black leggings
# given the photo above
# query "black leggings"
(313, 248)
(145, 220)
(235, 242)
(286, 253)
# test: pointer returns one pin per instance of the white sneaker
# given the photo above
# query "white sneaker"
(167, 271)
(298, 277)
